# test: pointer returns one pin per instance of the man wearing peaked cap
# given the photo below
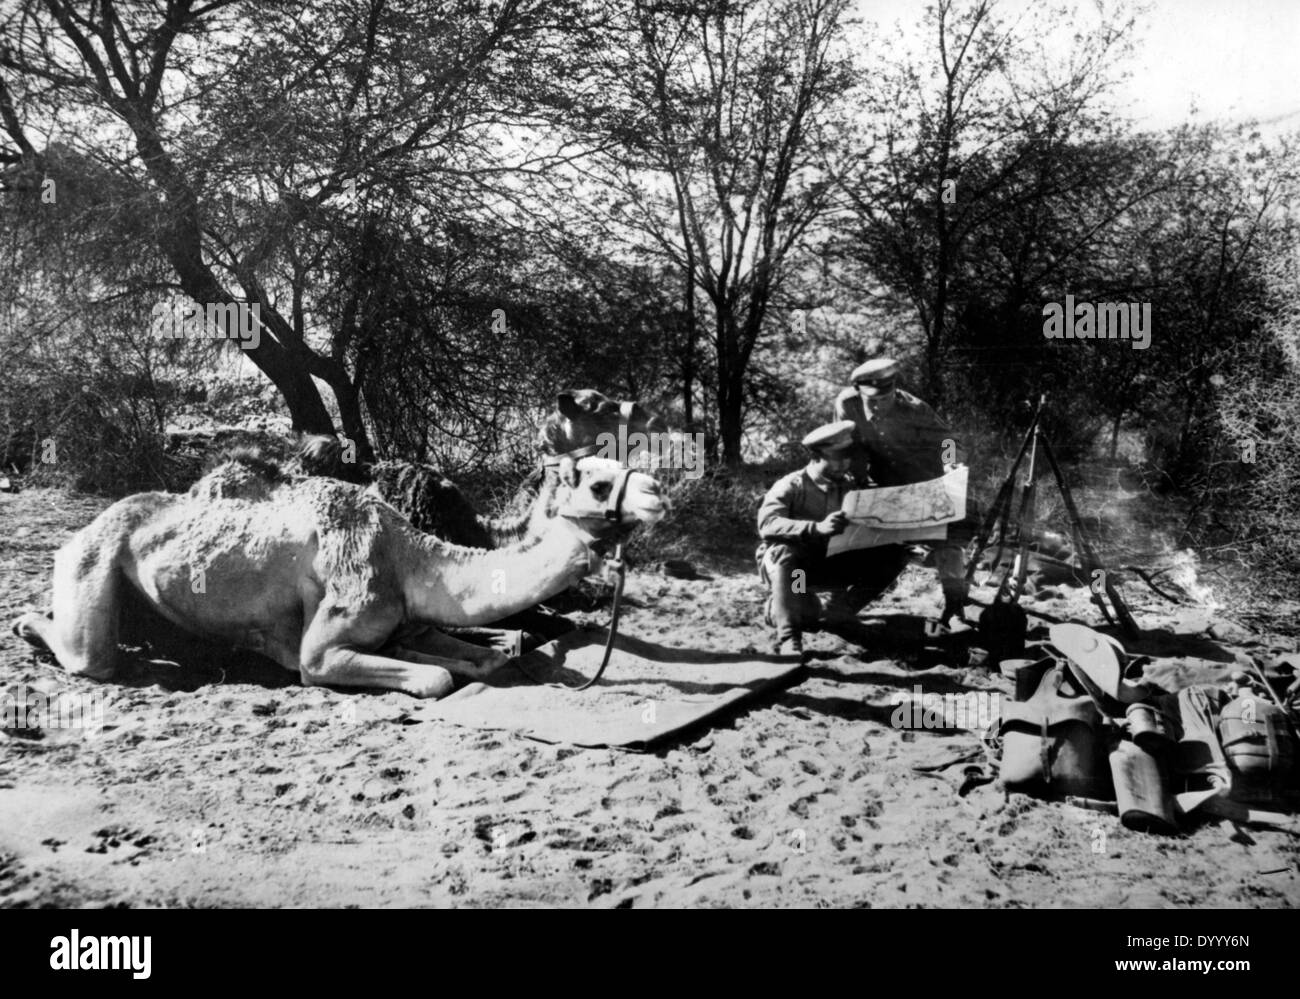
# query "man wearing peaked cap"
(877, 376)
(831, 438)
(898, 440)
(799, 513)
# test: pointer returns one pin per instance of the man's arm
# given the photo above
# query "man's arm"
(778, 520)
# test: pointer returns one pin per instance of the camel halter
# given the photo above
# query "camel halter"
(620, 573)
(614, 514)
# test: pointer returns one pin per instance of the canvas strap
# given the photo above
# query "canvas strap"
(1045, 746)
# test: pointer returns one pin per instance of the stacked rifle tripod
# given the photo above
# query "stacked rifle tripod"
(1004, 619)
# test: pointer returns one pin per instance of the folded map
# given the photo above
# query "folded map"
(918, 511)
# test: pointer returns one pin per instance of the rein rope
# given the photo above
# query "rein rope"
(614, 515)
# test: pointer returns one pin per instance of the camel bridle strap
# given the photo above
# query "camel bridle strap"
(620, 574)
(613, 514)
(614, 505)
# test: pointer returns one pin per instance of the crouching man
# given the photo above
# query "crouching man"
(799, 515)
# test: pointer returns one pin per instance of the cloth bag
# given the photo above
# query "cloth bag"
(1051, 743)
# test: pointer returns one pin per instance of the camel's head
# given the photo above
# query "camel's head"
(601, 496)
(582, 416)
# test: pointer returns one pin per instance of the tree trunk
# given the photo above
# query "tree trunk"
(180, 238)
(935, 341)
(306, 408)
(1185, 459)
(729, 419)
(354, 428)
(731, 377)
(289, 374)
(688, 355)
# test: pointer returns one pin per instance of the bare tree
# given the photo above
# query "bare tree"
(975, 131)
(262, 135)
(713, 115)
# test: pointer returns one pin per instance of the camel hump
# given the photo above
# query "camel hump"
(327, 457)
(320, 454)
(431, 502)
(257, 461)
(243, 472)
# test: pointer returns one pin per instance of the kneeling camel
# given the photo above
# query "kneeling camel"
(325, 579)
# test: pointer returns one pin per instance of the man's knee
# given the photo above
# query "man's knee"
(779, 561)
(782, 554)
(950, 561)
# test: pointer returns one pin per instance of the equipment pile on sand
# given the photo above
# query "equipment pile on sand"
(1085, 728)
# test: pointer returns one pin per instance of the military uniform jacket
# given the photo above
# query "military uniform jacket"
(793, 506)
(895, 448)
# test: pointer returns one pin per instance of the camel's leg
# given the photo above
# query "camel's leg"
(336, 650)
(82, 633)
(507, 640)
(458, 656)
(428, 677)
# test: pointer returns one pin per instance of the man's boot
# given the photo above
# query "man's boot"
(793, 641)
(955, 594)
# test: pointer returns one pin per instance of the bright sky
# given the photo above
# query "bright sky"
(1234, 59)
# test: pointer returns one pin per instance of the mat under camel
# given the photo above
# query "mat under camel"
(651, 694)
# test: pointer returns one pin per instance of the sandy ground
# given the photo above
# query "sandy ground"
(223, 782)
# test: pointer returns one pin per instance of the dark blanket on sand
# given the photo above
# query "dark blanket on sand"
(650, 693)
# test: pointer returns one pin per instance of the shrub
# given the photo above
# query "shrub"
(85, 430)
